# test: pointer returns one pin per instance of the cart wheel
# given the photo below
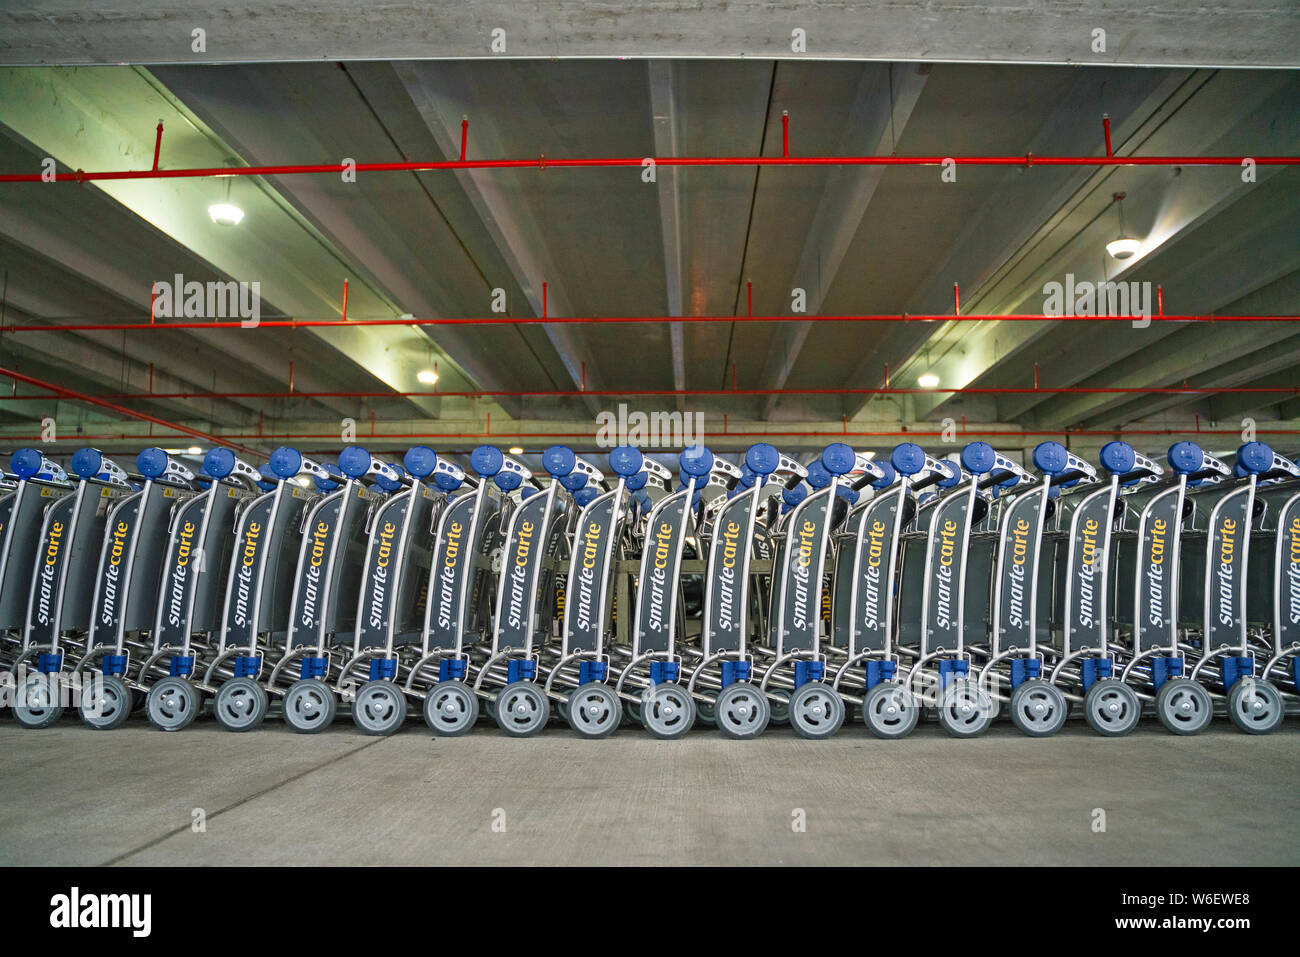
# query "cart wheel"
(633, 711)
(522, 709)
(890, 711)
(137, 700)
(1112, 708)
(309, 706)
(816, 711)
(965, 709)
(1255, 705)
(667, 710)
(240, 704)
(105, 702)
(450, 709)
(1038, 708)
(742, 711)
(36, 700)
(706, 711)
(172, 703)
(779, 706)
(379, 707)
(1183, 706)
(594, 710)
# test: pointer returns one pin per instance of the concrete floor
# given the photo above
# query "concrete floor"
(73, 796)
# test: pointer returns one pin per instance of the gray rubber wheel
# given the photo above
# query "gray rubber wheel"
(1183, 706)
(594, 710)
(1112, 708)
(779, 706)
(667, 710)
(706, 711)
(379, 707)
(309, 706)
(172, 704)
(632, 709)
(450, 709)
(1255, 705)
(1038, 708)
(890, 711)
(965, 709)
(240, 704)
(36, 700)
(742, 711)
(105, 702)
(522, 709)
(816, 711)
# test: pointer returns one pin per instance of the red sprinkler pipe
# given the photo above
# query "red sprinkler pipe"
(543, 162)
(604, 320)
(62, 392)
(157, 145)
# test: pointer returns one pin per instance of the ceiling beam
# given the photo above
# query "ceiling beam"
(663, 108)
(443, 95)
(882, 104)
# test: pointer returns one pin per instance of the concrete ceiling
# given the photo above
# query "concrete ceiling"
(856, 239)
(1136, 32)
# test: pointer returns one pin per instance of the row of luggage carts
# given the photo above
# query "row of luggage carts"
(955, 589)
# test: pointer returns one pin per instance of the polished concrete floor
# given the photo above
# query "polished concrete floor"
(133, 796)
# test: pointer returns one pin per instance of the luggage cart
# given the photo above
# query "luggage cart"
(735, 705)
(258, 588)
(1154, 552)
(867, 560)
(943, 532)
(326, 582)
(1228, 648)
(1278, 569)
(1038, 707)
(524, 600)
(1086, 668)
(390, 615)
(653, 670)
(128, 579)
(186, 627)
(815, 707)
(35, 482)
(592, 707)
(59, 609)
(458, 609)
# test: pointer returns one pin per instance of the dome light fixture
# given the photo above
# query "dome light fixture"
(516, 450)
(1122, 247)
(225, 214)
(927, 381)
(427, 376)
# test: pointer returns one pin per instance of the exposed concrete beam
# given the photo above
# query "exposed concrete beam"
(873, 126)
(1019, 219)
(81, 118)
(386, 233)
(1170, 213)
(103, 270)
(1156, 32)
(663, 107)
(1175, 359)
(443, 97)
